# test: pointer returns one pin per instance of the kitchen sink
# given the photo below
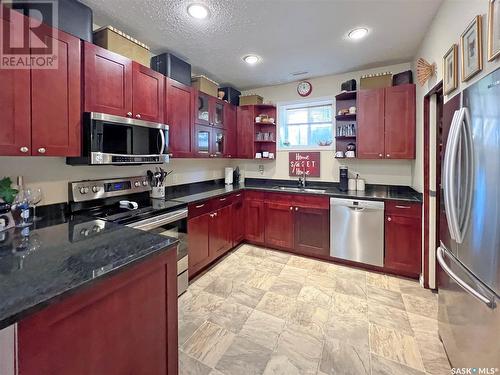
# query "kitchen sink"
(297, 189)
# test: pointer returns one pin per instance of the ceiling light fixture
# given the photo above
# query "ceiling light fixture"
(198, 11)
(251, 59)
(358, 33)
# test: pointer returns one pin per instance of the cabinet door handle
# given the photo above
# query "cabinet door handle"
(42, 150)
(238, 195)
(389, 219)
(380, 155)
(129, 114)
(138, 116)
(222, 199)
(296, 208)
(403, 207)
(200, 205)
(388, 155)
(291, 208)
(215, 214)
(24, 149)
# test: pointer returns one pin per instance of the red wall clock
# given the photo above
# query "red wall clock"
(304, 88)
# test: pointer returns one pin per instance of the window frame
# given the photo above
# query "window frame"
(302, 103)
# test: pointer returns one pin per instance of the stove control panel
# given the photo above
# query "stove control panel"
(81, 191)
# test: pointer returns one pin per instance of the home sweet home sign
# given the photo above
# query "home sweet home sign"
(304, 162)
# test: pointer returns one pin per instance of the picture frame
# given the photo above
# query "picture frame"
(493, 29)
(450, 70)
(471, 48)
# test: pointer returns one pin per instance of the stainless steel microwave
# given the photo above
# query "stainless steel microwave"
(108, 139)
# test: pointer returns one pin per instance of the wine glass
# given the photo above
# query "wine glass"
(21, 205)
(35, 197)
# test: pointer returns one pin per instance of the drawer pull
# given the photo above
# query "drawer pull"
(389, 219)
(238, 195)
(403, 207)
(222, 199)
(200, 206)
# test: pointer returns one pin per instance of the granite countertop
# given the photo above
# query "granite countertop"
(40, 266)
(372, 192)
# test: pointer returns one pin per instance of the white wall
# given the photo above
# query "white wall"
(449, 23)
(393, 172)
(52, 174)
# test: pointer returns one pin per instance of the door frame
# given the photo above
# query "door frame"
(437, 90)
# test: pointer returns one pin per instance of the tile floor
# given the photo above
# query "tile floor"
(261, 311)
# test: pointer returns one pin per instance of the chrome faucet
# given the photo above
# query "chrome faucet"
(302, 179)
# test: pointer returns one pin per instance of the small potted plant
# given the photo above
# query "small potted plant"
(7, 196)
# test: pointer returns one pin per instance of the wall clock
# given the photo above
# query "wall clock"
(304, 88)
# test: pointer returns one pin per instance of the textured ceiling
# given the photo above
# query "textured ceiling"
(290, 35)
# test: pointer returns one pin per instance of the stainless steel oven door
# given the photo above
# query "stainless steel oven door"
(172, 224)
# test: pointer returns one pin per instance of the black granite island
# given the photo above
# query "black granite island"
(80, 302)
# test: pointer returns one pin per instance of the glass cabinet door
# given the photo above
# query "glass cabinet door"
(202, 141)
(219, 114)
(219, 141)
(203, 109)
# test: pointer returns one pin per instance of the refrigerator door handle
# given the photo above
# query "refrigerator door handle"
(447, 182)
(464, 217)
(455, 153)
(440, 257)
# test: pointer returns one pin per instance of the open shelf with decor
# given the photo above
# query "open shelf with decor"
(345, 122)
(265, 131)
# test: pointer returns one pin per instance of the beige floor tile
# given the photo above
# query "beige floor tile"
(421, 305)
(238, 273)
(385, 296)
(221, 286)
(278, 257)
(191, 366)
(352, 286)
(339, 271)
(261, 279)
(293, 273)
(231, 316)
(276, 304)
(281, 365)
(246, 295)
(271, 267)
(322, 281)
(309, 319)
(244, 357)
(432, 352)
(208, 343)
(396, 346)
(186, 328)
(382, 366)
(286, 287)
(204, 280)
(339, 357)
(348, 330)
(346, 305)
(314, 296)
(382, 281)
(308, 264)
(200, 306)
(389, 317)
(421, 323)
(301, 349)
(263, 329)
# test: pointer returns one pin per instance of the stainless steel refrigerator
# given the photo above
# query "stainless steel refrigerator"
(469, 251)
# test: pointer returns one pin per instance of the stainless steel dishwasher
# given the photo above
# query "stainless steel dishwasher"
(357, 230)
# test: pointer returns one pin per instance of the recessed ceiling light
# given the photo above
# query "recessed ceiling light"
(358, 33)
(198, 11)
(251, 59)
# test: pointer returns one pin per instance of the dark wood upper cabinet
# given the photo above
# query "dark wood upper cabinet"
(386, 123)
(56, 111)
(370, 126)
(279, 219)
(219, 142)
(218, 114)
(400, 122)
(148, 93)
(230, 123)
(203, 142)
(178, 117)
(245, 132)
(15, 106)
(107, 81)
(312, 231)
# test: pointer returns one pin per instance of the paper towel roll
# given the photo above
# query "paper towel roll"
(360, 185)
(228, 172)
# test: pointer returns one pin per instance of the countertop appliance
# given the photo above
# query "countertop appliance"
(344, 178)
(100, 199)
(469, 251)
(108, 139)
(357, 230)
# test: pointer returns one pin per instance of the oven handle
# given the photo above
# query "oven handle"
(160, 220)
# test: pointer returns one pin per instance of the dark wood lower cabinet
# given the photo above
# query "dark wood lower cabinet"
(279, 227)
(403, 244)
(199, 255)
(238, 219)
(254, 226)
(220, 234)
(312, 231)
(125, 324)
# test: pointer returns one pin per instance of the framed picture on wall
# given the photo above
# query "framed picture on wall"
(450, 70)
(471, 48)
(493, 29)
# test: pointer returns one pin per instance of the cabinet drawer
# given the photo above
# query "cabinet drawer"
(402, 208)
(299, 200)
(199, 208)
(221, 201)
(252, 194)
(237, 197)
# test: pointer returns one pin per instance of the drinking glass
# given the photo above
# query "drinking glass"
(36, 196)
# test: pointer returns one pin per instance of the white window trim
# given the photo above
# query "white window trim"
(298, 104)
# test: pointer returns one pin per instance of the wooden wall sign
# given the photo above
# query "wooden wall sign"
(300, 161)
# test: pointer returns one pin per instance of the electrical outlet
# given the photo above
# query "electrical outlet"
(261, 169)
